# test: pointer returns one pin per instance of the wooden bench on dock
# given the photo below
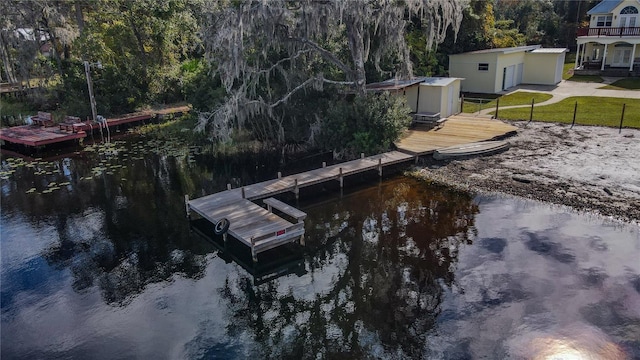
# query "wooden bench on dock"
(273, 203)
(43, 118)
(431, 118)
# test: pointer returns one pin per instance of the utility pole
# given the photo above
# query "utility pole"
(92, 99)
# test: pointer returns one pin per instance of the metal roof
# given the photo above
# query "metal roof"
(394, 84)
(604, 7)
(550, 51)
(439, 81)
(397, 84)
(502, 50)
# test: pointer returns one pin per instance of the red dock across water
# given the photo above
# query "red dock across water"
(35, 135)
(48, 133)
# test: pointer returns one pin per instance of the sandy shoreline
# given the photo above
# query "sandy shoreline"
(589, 168)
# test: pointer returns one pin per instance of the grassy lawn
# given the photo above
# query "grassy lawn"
(624, 84)
(585, 78)
(515, 98)
(567, 74)
(591, 111)
(568, 71)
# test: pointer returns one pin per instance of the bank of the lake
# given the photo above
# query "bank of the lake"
(589, 168)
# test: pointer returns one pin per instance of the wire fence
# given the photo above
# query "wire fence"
(614, 116)
(473, 105)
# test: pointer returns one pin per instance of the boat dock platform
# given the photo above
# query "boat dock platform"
(456, 130)
(260, 228)
(35, 135)
(48, 132)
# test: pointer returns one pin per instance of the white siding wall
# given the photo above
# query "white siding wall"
(506, 61)
(542, 69)
(456, 97)
(411, 94)
(450, 103)
(559, 68)
(466, 66)
(430, 98)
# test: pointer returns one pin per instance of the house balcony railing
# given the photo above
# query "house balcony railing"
(609, 31)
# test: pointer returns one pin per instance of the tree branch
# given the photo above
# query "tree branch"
(326, 54)
(296, 55)
(338, 82)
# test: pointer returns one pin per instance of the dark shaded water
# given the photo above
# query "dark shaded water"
(102, 264)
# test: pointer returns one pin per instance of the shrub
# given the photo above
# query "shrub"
(369, 124)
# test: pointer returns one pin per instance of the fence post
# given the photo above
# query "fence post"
(497, 106)
(461, 103)
(533, 101)
(575, 109)
(622, 118)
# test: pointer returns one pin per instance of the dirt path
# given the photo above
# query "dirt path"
(588, 168)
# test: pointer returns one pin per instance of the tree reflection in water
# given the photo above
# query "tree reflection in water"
(124, 227)
(390, 250)
(376, 262)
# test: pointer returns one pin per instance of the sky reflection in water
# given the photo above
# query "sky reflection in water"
(110, 269)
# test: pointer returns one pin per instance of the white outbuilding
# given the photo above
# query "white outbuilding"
(494, 70)
(439, 96)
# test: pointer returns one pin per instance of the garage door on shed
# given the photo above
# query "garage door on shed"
(509, 77)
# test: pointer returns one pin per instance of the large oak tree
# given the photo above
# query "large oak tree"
(267, 51)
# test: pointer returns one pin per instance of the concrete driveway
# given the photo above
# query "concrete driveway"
(567, 89)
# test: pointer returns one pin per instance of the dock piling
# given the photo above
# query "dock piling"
(279, 175)
(254, 255)
(228, 186)
(341, 179)
(380, 167)
(186, 205)
(243, 194)
(296, 189)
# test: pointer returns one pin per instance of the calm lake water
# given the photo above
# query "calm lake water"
(99, 262)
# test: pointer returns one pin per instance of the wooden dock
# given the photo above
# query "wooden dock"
(46, 134)
(261, 229)
(457, 130)
(35, 135)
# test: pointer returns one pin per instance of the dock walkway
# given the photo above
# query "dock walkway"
(262, 230)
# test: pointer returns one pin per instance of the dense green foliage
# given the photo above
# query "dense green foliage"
(366, 124)
(154, 52)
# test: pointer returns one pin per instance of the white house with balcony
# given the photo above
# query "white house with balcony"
(612, 40)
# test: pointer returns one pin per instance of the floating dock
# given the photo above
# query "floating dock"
(261, 229)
